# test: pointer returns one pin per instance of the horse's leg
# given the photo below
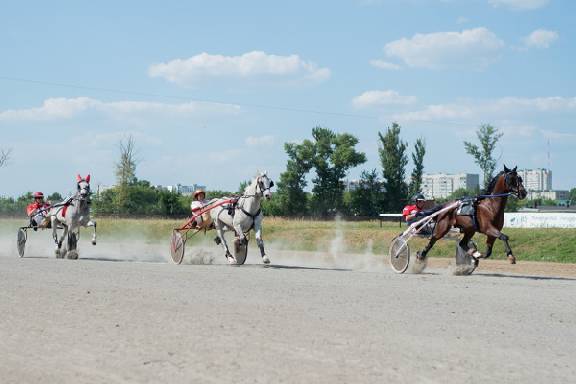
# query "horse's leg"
(494, 232)
(465, 243)
(259, 241)
(61, 251)
(92, 223)
(72, 242)
(220, 233)
(54, 224)
(239, 232)
(442, 227)
(489, 244)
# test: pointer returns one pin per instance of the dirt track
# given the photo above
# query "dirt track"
(101, 321)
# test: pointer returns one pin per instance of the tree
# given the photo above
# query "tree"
(4, 156)
(418, 171)
(393, 158)
(126, 165)
(55, 197)
(291, 200)
(367, 199)
(125, 174)
(335, 154)
(483, 154)
(573, 196)
(243, 185)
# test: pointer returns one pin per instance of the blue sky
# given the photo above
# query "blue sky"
(76, 77)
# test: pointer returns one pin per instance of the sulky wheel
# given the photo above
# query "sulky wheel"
(177, 244)
(399, 253)
(21, 241)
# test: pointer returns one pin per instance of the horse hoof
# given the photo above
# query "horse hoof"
(265, 259)
(231, 260)
(94, 242)
(72, 255)
(420, 257)
(512, 259)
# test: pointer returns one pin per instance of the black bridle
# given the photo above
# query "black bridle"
(262, 187)
(87, 189)
(514, 189)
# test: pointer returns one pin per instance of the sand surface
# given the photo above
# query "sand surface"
(120, 317)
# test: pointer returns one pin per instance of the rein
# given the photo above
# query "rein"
(495, 195)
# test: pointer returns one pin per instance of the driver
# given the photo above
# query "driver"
(38, 211)
(410, 212)
(197, 204)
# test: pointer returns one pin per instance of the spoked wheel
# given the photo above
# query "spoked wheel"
(240, 251)
(399, 253)
(21, 242)
(177, 243)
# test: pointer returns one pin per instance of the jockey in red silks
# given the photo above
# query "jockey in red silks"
(410, 212)
(38, 211)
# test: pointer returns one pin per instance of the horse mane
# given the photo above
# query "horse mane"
(492, 183)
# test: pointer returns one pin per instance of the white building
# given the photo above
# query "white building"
(351, 185)
(185, 190)
(539, 179)
(441, 185)
(549, 195)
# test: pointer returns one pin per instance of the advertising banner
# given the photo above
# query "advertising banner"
(539, 220)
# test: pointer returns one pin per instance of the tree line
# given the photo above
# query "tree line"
(324, 160)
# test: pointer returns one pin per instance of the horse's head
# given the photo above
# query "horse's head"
(513, 182)
(83, 186)
(264, 183)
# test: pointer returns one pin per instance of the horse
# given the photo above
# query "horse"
(72, 214)
(488, 219)
(243, 216)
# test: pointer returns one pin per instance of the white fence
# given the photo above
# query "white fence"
(540, 220)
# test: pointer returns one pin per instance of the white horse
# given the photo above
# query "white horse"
(72, 214)
(244, 215)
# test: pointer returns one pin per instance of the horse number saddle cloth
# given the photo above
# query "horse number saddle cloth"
(467, 208)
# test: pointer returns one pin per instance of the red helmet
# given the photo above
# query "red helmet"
(38, 195)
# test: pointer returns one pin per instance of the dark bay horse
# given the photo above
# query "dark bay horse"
(489, 215)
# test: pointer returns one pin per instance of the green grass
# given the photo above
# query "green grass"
(553, 245)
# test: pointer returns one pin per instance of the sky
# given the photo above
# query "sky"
(211, 91)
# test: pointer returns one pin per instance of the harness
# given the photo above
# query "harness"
(238, 205)
(469, 205)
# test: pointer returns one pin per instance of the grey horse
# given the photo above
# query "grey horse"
(72, 214)
(245, 215)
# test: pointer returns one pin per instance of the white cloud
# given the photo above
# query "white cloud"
(67, 108)
(437, 112)
(541, 104)
(555, 135)
(111, 139)
(515, 129)
(506, 107)
(259, 140)
(519, 5)
(472, 48)
(540, 38)
(462, 20)
(381, 98)
(384, 65)
(249, 65)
